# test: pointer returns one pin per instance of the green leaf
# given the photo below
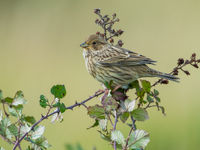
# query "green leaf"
(30, 119)
(25, 128)
(58, 91)
(128, 105)
(106, 137)
(41, 143)
(156, 93)
(43, 101)
(13, 129)
(117, 136)
(134, 84)
(96, 112)
(124, 117)
(163, 110)
(149, 98)
(140, 114)
(9, 100)
(103, 124)
(19, 99)
(1, 148)
(138, 139)
(38, 132)
(62, 107)
(146, 85)
(12, 111)
(157, 99)
(96, 123)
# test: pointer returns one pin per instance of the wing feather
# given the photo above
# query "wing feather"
(125, 57)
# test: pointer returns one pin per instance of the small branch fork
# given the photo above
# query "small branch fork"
(57, 111)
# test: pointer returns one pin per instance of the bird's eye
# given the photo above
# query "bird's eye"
(94, 43)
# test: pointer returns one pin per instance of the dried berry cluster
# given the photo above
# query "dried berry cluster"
(107, 23)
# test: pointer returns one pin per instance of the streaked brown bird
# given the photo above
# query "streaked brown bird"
(106, 62)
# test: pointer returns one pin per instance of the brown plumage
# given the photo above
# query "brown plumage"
(106, 62)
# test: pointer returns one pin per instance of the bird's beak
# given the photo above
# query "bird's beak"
(84, 45)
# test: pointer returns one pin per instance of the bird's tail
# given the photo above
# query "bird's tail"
(164, 75)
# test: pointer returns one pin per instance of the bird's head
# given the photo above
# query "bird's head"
(94, 43)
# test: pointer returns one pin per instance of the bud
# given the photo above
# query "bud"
(164, 82)
(97, 33)
(114, 15)
(175, 72)
(194, 55)
(195, 65)
(111, 40)
(187, 62)
(97, 21)
(120, 32)
(180, 61)
(97, 11)
(186, 72)
(120, 43)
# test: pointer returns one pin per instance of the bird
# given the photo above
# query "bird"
(106, 63)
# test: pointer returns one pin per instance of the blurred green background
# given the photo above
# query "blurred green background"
(39, 47)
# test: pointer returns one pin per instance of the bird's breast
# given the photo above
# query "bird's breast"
(89, 63)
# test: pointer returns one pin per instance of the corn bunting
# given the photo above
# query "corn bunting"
(106, 63)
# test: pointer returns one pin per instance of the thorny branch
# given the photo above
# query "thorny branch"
(57, 111)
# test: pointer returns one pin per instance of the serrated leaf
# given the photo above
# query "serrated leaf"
(13, 129)
(138, 139)
(156, 93)
(129, 105)
(12, 111)
(43, 101)
(103, 124)
(96, 123)
(163, 110)
(149, 98)
(58, 91)
(62, 107)
(140, 114)
(124, 117)
(8, 134)
(38, 132)
(117, 136)
(146, 85)
(30, 119)
(18, 101)
(134, 84)
(106, 137)
(96, 112)
(157, 99)
(40, 143)
(8, 100)
(25, 128)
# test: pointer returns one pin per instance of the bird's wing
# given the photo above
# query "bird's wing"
(125, 57)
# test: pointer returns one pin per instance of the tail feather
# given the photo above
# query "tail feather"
(165, 76)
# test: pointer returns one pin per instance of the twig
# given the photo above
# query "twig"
(133, 128)
(114, 128)
(57, 111)
(4, 109)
